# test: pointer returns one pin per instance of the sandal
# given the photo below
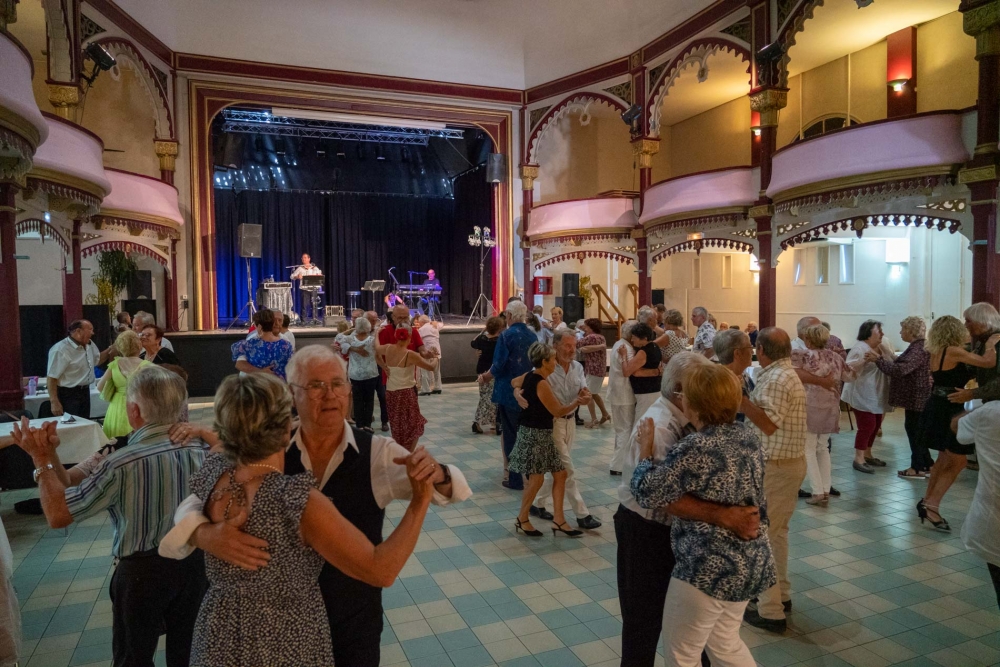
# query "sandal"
(604, 420)
(910, 473)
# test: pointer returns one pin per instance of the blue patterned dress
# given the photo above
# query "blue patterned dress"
(725, 465)
(262, 353)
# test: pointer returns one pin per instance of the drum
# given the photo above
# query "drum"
(353, 299)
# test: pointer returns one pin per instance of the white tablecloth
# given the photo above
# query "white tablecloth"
(98, 406)
(77, 441)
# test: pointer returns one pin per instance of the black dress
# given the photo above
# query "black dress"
(935, 422)
(649, 384)
(535, 451)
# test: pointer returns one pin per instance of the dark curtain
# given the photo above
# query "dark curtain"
(354, 238)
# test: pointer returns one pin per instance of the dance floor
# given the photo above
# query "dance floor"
(872, 587)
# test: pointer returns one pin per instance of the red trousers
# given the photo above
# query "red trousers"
(868, 426)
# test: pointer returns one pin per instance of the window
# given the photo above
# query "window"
(825, 125)
(800, 272)
(696, 273)
(727, 272)
(823, 266)
(847, 264)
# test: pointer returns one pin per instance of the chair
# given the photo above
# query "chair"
(844, 407)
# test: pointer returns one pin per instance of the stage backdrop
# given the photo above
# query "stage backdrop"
(354, 238)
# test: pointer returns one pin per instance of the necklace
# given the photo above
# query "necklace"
(264, 465)
(236, 490)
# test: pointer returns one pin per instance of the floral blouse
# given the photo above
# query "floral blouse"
(822, 404)
(594, 363)
(262, 353)
(721, 464)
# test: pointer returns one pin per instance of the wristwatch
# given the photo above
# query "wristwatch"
(38, 471)
(447, 476)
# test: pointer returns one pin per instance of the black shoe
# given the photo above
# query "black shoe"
(436, 391)
(529, 532)
(787, 604)
(616, 473)
(579, 422)
(540, 512)
(834, 492)
(804, 494)
(505, 484)
(558, 528)
(385, 426)
(476, 428)
(588, 522)
(424, 393)
(776, 625)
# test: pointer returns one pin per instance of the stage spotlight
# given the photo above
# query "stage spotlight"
(103, 61)
(279, 146)
(633, 118)
(258, 144)
(340, 151)
(321, 149)
(361, 152)
(404, 154)
(379, 155)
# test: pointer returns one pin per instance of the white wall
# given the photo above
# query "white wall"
(612, 276)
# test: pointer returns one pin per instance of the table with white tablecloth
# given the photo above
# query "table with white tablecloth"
(77, 440)
(98, 406)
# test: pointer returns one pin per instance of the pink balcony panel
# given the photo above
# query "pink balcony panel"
(16, 94)
(709, 190)
(135, 193)
(74, 151)
(582, 214)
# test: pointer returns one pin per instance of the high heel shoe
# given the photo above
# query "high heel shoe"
(476, 428)
(941, 525)
(529, 533)
(921, 510)
(558, 528)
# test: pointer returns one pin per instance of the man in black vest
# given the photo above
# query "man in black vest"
(355, 470)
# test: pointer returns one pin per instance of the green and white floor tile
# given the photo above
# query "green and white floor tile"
(872, 587)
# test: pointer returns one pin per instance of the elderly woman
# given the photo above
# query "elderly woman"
(620, 396)
(909, 388)
(114, 381)
(822, 406)
(405, 420)
(868, 394)
(276, 616)
(950, 371)
(716, 573)
(364, 373)
(485, 345)
(557, 319)
(594, 347)
(674, 338)
(643, 370)
(535, 452)
(267, 353)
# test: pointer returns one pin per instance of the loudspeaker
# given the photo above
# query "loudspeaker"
(249, 240)
(133, 306)
(572, 307)
(142, 286)
(659, 296)
(496, 168)
(570, 284)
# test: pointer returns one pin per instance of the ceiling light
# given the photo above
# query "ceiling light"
(358, 119)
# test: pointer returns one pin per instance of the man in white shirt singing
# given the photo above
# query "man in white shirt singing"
(307, 268)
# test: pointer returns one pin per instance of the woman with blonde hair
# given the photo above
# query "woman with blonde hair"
(114, 381)
(946, 344)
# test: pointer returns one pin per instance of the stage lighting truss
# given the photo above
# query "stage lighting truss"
(263, 122)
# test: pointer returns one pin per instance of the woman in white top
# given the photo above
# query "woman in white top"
(405, 420)
(981, 528)
(364, 373)
(430, 332)
(868, 395)
(620, 397)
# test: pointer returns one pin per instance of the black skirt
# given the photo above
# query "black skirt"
(935, 425)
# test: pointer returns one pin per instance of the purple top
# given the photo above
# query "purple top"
(909, 377)
(822, 405)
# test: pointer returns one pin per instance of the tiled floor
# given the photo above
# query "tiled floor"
(872, 587)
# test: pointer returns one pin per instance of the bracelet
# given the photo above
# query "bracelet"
(447, 476)
(37, 472)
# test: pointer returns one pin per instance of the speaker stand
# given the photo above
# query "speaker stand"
(484, 307)
(249, 306)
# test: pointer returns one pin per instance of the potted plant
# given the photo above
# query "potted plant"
(115, 272)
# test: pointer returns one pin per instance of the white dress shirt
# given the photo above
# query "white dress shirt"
(619, 388)
(389, 482)
(73, 364)
(670, 427)
(313, 270)
(799, 344)
(981, 528)
(566, 384)
(290, 337)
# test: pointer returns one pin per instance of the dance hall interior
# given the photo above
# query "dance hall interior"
(472, 333)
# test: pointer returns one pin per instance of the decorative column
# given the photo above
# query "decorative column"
(73, 279)
(644, 149)
(982, 20)
(642, 267)
(65, 97)
(170, 278)
(11, 394)
(166, 150)
(529, 172)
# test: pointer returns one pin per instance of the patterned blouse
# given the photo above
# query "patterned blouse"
(721, 464)
(594, 363)
(704, 338)
(909, 377)
(822, 404)
(672, 346)
(262, 353)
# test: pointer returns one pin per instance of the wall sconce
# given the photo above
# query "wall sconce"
(755, 123)
(898, 84)
(755, 130)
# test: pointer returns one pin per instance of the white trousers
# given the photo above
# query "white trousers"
(818, 462)
(431, 380)
(643, 401)
(563, 433)
(623, 420)
(693, 621)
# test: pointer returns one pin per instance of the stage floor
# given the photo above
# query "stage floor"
(451, 323)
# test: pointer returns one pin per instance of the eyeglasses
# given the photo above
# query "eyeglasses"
(318, 389)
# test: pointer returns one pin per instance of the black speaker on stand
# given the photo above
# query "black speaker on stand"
(572, 307)
(659, 296)
(571, 284)
(249, 246)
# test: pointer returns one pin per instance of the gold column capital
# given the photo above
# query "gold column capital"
(529, 172)
(768, 102)
(644, 149)
(8, 13)
(983, 23)
(166, 150)
(65, 97)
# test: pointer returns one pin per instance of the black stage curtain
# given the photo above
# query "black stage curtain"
(355, 238)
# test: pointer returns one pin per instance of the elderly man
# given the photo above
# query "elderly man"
(355, 470)
(139, 486)
(567, 382)
(706, 332)
(643, 533)
(510, 359)
(71, 370)
(734, 351)
(141, 320)
(777, 409)
(982, 320)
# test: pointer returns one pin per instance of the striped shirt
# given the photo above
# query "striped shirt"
(140, 486)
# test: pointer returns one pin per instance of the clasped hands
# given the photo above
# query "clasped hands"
(39, 442)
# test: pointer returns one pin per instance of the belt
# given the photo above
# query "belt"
(569, 416)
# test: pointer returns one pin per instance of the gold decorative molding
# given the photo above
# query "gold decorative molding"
(529, 172)
(75, 182)
(123, 218)
(638, 233)
(167, 152)
(721, 212)
(861, 180)
(644, 150)
(763, 211)
(983, 23)
(66, 99)
(525, 244)
(977, 174)
(768, 102)
(592, 231)
(21, 127)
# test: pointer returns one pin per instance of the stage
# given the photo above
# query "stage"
(206, 354)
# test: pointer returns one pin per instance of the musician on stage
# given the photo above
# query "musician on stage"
(433, 299)
(307, 268)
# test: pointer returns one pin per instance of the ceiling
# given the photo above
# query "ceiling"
(505, 43)
(727, 79)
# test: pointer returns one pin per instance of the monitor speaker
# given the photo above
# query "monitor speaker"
(496, 168)
(571, 284)
(249, 238)
(659, 296)
(572, 307)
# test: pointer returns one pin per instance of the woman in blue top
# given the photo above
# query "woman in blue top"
(717, 573)
(267, 352)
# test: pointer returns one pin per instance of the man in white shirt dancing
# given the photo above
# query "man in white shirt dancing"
(71, 370)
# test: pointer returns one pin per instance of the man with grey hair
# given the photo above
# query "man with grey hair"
(641, 533)
(140, 486)
(734, 351)
(706, 332)
(141, 320)
(800, 326)
(777, 409)
(647, 315)
(982, 320)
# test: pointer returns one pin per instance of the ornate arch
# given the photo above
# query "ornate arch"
(43, 229)
(697, 51)
(127, 247)
(788, 33)
(700, 244)
(60, 25)
(859, 223)
(582, 101)
(581, 255)
(126, 53)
